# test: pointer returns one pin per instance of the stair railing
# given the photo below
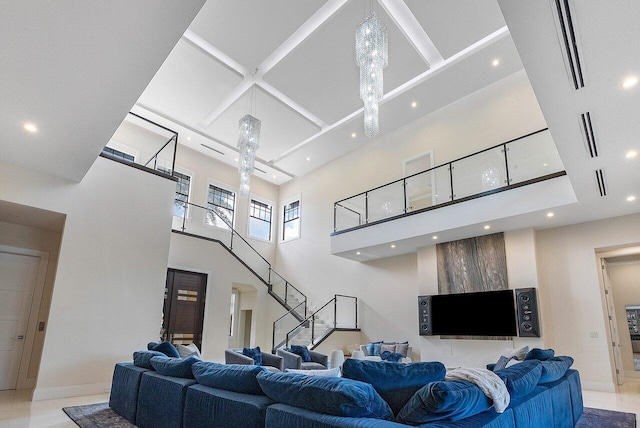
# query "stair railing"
(341, 312)
(279, 288)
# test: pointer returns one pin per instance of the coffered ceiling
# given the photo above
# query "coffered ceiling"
(299, 56)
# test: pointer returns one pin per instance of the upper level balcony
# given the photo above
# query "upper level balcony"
(514, 178)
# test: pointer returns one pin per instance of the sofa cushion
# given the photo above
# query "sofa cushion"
(143, 358)
(303, 351)
(327, 373)
(373, 348)
(176, 367)
(522, 378)
(330, 395)
(392, 357)
(230, 377)
(539, 354)
(166, 348)
(254, 353)
(554, 368)
(395, 382)
(445, 400)
(402, 348)
(189, 351)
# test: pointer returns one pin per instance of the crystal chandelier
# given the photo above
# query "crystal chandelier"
(371, 56)
(248, 140)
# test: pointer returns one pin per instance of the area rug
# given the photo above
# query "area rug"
(101, 416)
(96, 416)
(599, 418)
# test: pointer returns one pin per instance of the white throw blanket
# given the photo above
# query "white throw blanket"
(488, 382)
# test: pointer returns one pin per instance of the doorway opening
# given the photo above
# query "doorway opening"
(620, 273)
(183, 311)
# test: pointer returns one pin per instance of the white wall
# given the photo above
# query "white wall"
(573, 309)
(111, 270)
(625, 285)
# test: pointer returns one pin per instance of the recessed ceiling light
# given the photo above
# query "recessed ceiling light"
(354, 135)
(30, 127)
(188, 138)
(629, 82)
(487, 227)
(434, 237)
(631, 198)
(495, 62)
(236, 159)
(544, 164)
(631, 154)
(393, 245)
(274, 176)
(414, 104)
(357, 253)
(308, 159)
(549, 215)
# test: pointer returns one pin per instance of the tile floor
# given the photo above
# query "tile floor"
(16, 411)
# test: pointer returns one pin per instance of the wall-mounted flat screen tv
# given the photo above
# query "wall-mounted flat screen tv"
(489, 313)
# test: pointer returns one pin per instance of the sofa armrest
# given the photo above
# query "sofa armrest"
(233, 357)
(317, 357)
(276, 361)
(290, 360)
(409, 352)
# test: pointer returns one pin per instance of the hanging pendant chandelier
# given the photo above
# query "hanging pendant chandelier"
(248, 143)
(372, 55)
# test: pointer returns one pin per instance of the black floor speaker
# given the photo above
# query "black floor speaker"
(424, 315)
(527, 304)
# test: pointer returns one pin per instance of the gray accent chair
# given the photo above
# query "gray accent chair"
(270, 361)
(294, 361)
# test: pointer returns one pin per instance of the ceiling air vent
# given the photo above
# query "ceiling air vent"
(260, 170)
(589, 135)
(569, 42)
(602, 188)
(211, 148)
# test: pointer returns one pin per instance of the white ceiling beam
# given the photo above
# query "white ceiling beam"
(305, 30)
(292, 104)
(409, 25)
(237, 92)
(433, 71)
(216, 53)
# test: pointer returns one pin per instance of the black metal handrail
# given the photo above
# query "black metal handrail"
(403, 180)
(271, 271)
(311, 319)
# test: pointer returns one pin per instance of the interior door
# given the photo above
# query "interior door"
(184, 302)
(613, 326)
(17, 283)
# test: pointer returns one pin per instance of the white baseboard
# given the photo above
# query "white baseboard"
(598, 386)
(50, 393)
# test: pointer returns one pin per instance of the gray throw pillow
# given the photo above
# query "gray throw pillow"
(391, 347)
(402, 348)
(189, 351)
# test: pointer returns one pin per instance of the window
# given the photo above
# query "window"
(117, 154)
(182, 193)
(222, 203)
(291, 220)
(260, 220)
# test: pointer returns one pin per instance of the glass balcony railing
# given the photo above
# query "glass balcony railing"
(524, 160)
(144, 144)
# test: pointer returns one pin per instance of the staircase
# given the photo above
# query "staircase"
(299, 325)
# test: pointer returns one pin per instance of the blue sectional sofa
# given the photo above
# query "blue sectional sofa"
(217, 395)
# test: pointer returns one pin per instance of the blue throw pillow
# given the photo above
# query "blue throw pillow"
(176, 367)
(392, 357)
(370, 345)
(522, 378)
(254, 353)
(554, 368)
(330, 395)
(444, 401)
(539, 354)
(230, 377)
(166, 348)
(303, 351)
(395, 382)
(143, 358)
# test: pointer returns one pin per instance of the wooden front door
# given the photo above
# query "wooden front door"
(184, 307)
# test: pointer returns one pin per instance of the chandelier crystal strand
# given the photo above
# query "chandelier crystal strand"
(248, 143)
(372, 56)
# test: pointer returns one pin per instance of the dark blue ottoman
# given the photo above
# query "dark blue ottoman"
(161, 400)
(124, 390)
(207, 407)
